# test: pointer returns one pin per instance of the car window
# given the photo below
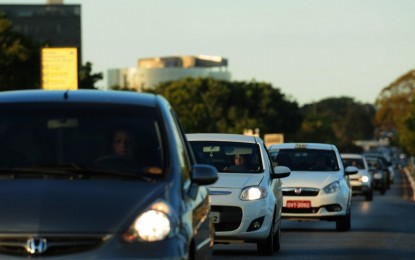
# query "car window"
(305, 159)
(83, 137)
(187, 156)
(354, 162)
(229, 156)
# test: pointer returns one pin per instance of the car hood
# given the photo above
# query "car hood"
(310, 179)
(237, 180)
(78, 206)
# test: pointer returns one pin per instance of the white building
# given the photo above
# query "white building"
(152, 71)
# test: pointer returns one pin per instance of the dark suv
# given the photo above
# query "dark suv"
(66, 191)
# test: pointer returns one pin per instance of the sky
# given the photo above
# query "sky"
(309, 49)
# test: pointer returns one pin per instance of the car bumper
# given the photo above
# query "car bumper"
(324, 206)
(359, 187)
(113, 247)
(239, 220)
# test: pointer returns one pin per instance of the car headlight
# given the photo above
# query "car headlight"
(253, 193)
(332, 187)
(154, 224)
(365, 179)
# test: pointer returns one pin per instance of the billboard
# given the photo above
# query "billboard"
(273, 139)
(60, 68)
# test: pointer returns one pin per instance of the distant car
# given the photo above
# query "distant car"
(387, 164)
(64, 196)
(318, 187)
(379, 172)
(247, 198)
(362, 181)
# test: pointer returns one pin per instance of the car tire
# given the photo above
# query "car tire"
(369, 196)
(343, 223)
(388, 183)
(277, 238)
(266, 247)
(383, 190)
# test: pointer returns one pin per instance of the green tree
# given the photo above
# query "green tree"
(209, 105)
(407, 134)
(394, 107)
(19, 59)
(337, 120)
(87, 79)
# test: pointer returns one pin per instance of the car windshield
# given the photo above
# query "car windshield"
(229, 156)
(58, 138)
(357, 162)
(374, 163)
(305, 159)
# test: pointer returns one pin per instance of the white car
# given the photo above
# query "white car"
(247, 197)
(318, 187)
(362, 182)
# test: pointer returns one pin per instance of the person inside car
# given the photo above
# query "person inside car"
(123, 142)
(239, 164)
(319, 163)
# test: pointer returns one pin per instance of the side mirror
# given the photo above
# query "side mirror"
(204, 174)
(281, 172)
(351, 170)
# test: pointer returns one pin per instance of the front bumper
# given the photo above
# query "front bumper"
(322, 206)
(240, 220)
(108, 247)
(359, 187)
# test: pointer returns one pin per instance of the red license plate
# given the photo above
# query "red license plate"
(298, 204)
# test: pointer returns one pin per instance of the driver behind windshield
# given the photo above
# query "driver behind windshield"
(123, 142)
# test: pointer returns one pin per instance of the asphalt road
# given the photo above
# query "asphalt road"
(381, 229)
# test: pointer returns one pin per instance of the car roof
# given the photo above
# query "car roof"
(320, 146)
(79, 96)
(352, 155)
(222, 137)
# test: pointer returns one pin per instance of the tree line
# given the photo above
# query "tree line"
(209, 105)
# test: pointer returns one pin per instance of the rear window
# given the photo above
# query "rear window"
(229, 156)
(305, 159)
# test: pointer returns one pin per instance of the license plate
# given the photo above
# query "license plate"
(215, 217)
(298, 204)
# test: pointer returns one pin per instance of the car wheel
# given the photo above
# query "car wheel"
(266, 247)
(369, 196)
(383, 190)
(343, 222)
(277, 238)
(388, 183)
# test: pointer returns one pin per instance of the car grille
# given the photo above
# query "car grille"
(300, 211)
(230, 218)
(56, 245)
(295, 192)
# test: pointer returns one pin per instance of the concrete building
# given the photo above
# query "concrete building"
(152, 71)
(54, 23)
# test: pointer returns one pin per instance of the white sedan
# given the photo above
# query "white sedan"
(362, 182)
(318, 187)
(247, 198)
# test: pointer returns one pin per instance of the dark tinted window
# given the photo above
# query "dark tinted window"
(305, 159)
(83, 136)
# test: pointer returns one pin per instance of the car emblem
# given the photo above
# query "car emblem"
(297, 190)
(36, 245)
